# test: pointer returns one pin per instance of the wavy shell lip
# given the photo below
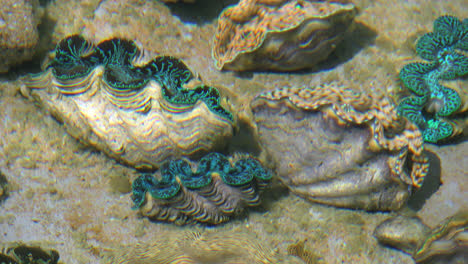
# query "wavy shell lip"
(279, 35)
(216, 191)
(331, 146)
(139, 121)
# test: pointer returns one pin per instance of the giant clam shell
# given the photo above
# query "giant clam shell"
(281, 35)
(217, 190)
(140, 115)
(446, 243)
(334, 146)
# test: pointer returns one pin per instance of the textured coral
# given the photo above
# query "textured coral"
(338, 147)
(141, 115)
(423, 79)
(18, 253)
(446, 243)
(194, 247)
(18, 31)
(218, 190)
(279, 35)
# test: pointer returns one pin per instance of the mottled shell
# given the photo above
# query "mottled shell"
(281, 35)
(130, 118)
(337, 147)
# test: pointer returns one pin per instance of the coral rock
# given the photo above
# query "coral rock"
(334, 146)
(280, 35)
(141, 115)
(217, 191)
(432, 105)
(18, 31)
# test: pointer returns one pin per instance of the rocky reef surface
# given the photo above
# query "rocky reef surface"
(19, 35)
(77, 201)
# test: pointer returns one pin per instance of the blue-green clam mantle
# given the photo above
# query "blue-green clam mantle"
(441, 48)
(213, 193)
(141, 113)
(75, 57)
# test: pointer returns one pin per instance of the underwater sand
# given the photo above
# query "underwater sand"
(77, 200)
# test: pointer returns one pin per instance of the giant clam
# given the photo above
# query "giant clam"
(141, 115)
(433, 106)
(335, 146)
(218, 190)
(280, 35)
(446, 243)
(19, 253)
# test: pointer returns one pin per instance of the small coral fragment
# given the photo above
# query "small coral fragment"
(280, 35)
(423, 79)
(217, 191)
(140, 115)
(335, 146)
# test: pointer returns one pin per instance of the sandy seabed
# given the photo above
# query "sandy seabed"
(76, 200)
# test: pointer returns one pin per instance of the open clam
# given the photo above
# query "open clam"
(281, 35)
(140, 115)
(334, 146)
